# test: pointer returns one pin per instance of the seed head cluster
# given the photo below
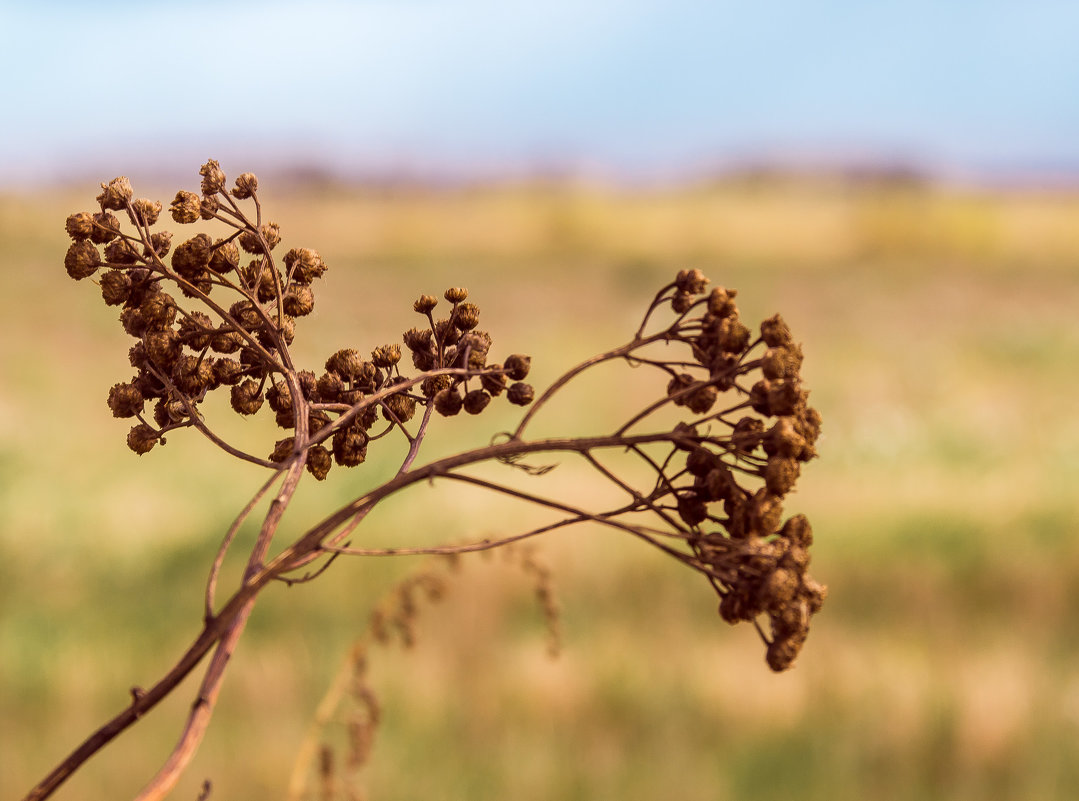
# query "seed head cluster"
(220, 314)
(733, 464)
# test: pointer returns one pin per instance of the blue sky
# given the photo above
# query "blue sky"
(628, 87)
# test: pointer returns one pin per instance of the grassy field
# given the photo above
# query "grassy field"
(941, 341)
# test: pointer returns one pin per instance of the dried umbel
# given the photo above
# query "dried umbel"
(258, 320)
(722, 439)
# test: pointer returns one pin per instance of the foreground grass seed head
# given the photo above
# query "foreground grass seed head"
(221, 315)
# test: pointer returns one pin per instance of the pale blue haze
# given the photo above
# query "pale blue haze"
(645, 87)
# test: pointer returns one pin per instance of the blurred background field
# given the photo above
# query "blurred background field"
(939, 326)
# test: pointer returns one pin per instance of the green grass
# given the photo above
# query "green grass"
(940, 347)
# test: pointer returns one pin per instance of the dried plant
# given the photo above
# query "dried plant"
(721, 442)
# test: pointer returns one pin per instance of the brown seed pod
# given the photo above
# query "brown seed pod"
(304, 265)
(213, 177)
(280, 398)
(145, 212)
(466, 316)
(246, 185)
(345, 363)
(225, 257)
(246, 398)
(476, 401)
(209, 207)
(721, 302)
(225, 340)
(116, 194)
(448, 402)
(142, 438)
(160, 243)
(677, 386)
(319, 460)
(434, 384)
(192, 375)
(132, 322)
(780, 475)
(520, 394)
(163, 347)
(782, 652)
(701, 399)
(282, 450)
(330, 387)
(702, 461)
(158, 309)
(298, 300)
(125, 400)
(115, 287)
(386, 355)
(106, 228)
(196, 330)
(456, 294)
(80, 225)
(691, 281)
(517, 366)
(192, 256)
(493, 381)
(425, 303)
(775, 332)
(417, 339)
(185, 207)
(732, 336)
(349, 447)
(402, 406)
(227, 371)
(682, 302)
(82, 260)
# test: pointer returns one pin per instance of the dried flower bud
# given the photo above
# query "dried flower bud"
(402, 406)
(120, 251)
(319, 460)
(386, 355)
(125, 400)
(780, 475)
(692, 509)
(782, 362)
(225, 340)
(476, 401)
(784, 440)
(142, 438)
(346, 363)
(349, 447)
(80, 225)
(520, 394)
(517, 366)
(701, 399)
(208, 208)
(448, 402)
(196, 330)
(192, 375)
(304, 265)
(116, 194)
(115, 287)
(160, 242)
(775, 332)
(682, 302)
(227, 371)
(158, 310)
(434, 384)
(733, 337)
(677, 386)
(425, 303)
(456, 294)
(132, 322)
(192, 256)
(246, 185)
(162, 347)
(493, 381)
(298, 300)
(467, 316)
(246, 397)
(747, 434)
(145, 212)
(224, 257)
(782, 652)
(691, 281)
(82, 260)
(702, 461)
(283, 449)
(213, 177)
(721, 302)
(185, 207)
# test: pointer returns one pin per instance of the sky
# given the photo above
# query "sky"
(622, 88)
